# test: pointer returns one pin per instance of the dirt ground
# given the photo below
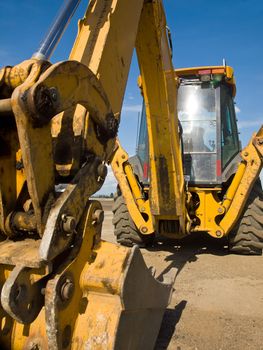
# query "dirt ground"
(217, 303)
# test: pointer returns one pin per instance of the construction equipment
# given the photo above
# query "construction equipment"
(192, 176)
(61, 286)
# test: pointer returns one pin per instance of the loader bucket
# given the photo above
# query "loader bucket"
(110, 302)
(126, 302)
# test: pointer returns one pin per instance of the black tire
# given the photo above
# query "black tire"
(247, 236)
(125, 230)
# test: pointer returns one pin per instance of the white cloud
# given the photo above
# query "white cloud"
(237, 109)
(132, 108)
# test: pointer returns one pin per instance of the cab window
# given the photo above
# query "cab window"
(229, 135)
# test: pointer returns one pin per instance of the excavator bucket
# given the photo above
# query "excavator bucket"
(125, 302)
(102, 297)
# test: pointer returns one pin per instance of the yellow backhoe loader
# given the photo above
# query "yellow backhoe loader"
(190, 176)
(61, 286)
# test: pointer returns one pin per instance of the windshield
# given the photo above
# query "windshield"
(197, 114)
(197, 107)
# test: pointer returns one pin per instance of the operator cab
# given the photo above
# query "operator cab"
(207, 115)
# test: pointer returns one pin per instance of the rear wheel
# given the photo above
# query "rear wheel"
(125, 230)
(247, 236)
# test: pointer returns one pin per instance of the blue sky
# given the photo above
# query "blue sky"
(203, 32)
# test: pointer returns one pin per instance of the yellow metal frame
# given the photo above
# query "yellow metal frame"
(138, 207)
(167, 192)
(219, 217)
(247, 174)
(209, 208)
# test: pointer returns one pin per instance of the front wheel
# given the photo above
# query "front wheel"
(125, 230)
(247, 236)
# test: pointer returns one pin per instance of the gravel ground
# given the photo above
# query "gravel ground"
(217, 301)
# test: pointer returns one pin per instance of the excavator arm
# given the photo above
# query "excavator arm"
(61, 286)
(167, 195)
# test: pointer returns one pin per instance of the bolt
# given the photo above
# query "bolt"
(218, 233)
(123, 156)
(144, 229)
(245, 154)
(46, 103)
(220, 210)
(68, 223)
(98, 216)
(67, 290)
(142, 209)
